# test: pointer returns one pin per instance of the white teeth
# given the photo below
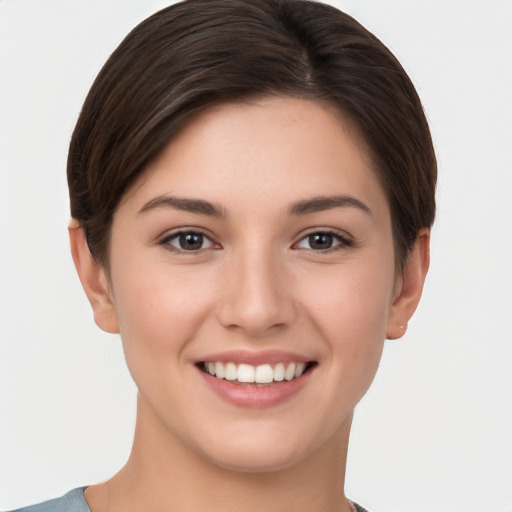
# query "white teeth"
(262, 374)
(299, 370)
(289, 373)
(231, 371)
(219, 370)
(279, 372)
(246, 373)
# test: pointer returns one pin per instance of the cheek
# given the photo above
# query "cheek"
(351, 308)
(159, 311)
(352, 299)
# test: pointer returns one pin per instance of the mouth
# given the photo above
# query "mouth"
(262, 375)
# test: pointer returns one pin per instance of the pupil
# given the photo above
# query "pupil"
(320, 241)
(191, 241)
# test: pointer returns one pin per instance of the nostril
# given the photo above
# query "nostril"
(255, 301)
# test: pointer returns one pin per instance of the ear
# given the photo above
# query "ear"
(409, 286)
(94, 280)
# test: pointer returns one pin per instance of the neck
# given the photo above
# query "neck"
(163, 475)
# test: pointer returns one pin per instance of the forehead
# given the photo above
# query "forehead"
(270, 149)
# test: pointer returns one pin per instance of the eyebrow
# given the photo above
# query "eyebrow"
(202, 207)
(322, 203)
(198, 206)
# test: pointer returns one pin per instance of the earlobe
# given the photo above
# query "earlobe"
(94, 280)
(410, 287)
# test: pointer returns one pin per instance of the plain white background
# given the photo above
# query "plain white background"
(434, 434)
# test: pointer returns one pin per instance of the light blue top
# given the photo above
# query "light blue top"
(73, 501)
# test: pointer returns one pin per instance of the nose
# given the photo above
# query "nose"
(257, 297)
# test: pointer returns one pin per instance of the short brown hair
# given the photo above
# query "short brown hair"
(199, 53)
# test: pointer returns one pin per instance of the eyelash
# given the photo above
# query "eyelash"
(343, 242)
(176, 236)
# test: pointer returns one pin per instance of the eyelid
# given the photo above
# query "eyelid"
(344, 239)
(174, 234)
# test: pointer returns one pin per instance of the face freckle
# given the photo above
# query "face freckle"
(260, 237)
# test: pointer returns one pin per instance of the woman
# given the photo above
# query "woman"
(252, 188)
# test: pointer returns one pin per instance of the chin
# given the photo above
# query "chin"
(259, 460)
(267, 448)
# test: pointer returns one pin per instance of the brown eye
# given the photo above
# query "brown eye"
(320, 241)
(189, 241)
(323, 241)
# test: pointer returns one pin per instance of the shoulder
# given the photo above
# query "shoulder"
(73, 501)
(357, 508)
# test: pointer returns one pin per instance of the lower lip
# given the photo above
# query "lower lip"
(252, 396)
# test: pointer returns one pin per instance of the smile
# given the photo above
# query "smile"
(249, 374)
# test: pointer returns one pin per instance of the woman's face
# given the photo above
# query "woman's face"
(258, 244)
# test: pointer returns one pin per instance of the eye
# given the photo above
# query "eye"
(188, 241)
(323, 241)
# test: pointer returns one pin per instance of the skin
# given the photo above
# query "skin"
(256, 284)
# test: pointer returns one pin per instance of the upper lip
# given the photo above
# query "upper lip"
(255, 358)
